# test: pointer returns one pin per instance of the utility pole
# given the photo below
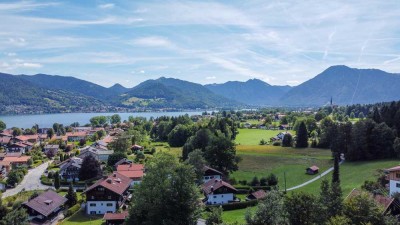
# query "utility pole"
(284, 177)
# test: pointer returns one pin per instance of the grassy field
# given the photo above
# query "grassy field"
(82, 219)
(260, 161)
(353, 175)
(254, 136)
(235, 215)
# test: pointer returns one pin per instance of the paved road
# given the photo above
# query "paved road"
(314, 179)
(31, 181)
(201, 222)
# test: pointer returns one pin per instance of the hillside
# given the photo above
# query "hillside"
(18, 95)
(72, 84)
(174, 93)
(118, 89)
(346, 86)
(251, 92)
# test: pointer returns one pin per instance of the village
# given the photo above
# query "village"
(79, 172)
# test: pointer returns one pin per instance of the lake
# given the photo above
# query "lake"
(47, 120)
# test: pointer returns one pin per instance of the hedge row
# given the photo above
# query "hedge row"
(235, 205)
(46, 181)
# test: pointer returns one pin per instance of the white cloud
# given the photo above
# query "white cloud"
(211, 78)
(106, 6)
(29, 65)
(152, 42)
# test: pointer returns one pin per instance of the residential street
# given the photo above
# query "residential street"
(31, 181)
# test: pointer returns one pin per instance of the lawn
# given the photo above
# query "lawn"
(260, 161)
(235, 215)
(82, 219)
(20, 197)
(254, 136)
(353, 175)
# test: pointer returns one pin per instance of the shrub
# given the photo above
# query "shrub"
(236, 205)
(73, 210)
(272, 180)
(277, 143)
(46, 181)
(255, 182)
(263, 181)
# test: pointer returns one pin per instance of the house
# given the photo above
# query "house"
(136, 148)
(390, 205)
(28, 138)
(210, 173)
(134, 171)
(45, 206)
(81, 129)
(98, 153)
(76, 136)
(5, 167)
(217, 191)
(394, 179)
(51, 149)
(69, 170)
(257, 195)
(108, 194)
(4, 141)
(21, 147)
(123, 161)
(115, 218)
(312, 170)
(17, 161)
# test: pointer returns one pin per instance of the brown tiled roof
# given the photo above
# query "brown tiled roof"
(76, 134)
(259, 194)
(21, 159)
(130, 167)
(116, 216)
(134, 175)
(46, 202)
(13, 154)
(215, 184)
(206, 168)
(396, 168)
(5, 140)
(116, 183)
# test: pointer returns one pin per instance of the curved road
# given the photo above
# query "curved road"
(314, 179)
(30, 182)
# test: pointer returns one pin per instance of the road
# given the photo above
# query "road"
(201, 222)
(314, 179)
(31, 181)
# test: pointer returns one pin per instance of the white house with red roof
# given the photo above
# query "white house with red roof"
(394, 179)
(218, 191)
(108, 194)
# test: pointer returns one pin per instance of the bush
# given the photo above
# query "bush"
(277, 143)
(46, 181)
(255, 182)
(73, 210)
(236, 205)
(263, 181)
(272, 180)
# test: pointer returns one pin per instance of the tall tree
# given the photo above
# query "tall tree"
(302, 208)
(214, 217)
(335, 174)
(57, 180)
(361, 209)
(115, 157)
(270, 211)
(50, 133)
(16, 217)
(198, 162)
(221, 155)
(90, 168)
(116, 118)
(168, 194)
(302, 136)
(287, 140)
(71, 196)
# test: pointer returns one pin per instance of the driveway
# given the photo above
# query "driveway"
(30, 182)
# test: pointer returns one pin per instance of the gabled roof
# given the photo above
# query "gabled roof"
(74, 161)
(207, 168)
(21, 159)
(383, 201)
(259, 194)
(134, 175)
(76, 134)
(115, 182)
(215, 184)
(116, 216)
(393, 169)
(130, 167)
(46, 202)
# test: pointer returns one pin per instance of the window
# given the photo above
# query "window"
(109, 204)
(397, 175)
(109, 211)
(101, 189)
(398, 185)
(93, 212)
(215, 196)
(93, 204)
(109, 197)
(92, 197)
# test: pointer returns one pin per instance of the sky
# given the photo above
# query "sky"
(128, 42)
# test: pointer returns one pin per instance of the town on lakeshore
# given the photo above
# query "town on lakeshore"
(228, 166)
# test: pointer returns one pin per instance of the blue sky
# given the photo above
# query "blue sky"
(127, 42)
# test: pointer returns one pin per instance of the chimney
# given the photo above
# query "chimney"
(109, 181)
(114, 174)
(212, 188)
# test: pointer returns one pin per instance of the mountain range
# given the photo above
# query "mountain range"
(52, 93)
